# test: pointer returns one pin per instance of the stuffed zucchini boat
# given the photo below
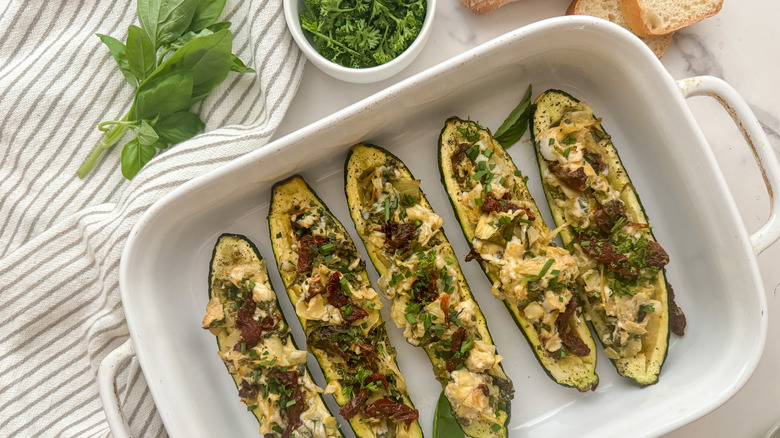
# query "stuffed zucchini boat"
(256, 346)
(431, 299)
(624, 288)
(535, 279)
(327, 283)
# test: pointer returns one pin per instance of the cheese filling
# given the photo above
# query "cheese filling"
(429, 299)
(619, 262)
(256, 346)
(533, 275)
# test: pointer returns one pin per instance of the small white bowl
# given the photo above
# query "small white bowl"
(356, 75)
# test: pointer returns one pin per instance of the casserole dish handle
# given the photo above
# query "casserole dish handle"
(107, 372)
(756, 138)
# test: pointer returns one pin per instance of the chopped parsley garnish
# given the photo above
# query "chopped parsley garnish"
(472, 152)
(361, 33)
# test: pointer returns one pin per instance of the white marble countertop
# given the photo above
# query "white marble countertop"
(740, 45)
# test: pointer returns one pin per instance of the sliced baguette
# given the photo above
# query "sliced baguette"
(659, 17)
(611, 10)
(484, 6)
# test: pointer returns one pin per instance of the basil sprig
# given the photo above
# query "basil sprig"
(176, 58)
(515, 124)
(444, 424)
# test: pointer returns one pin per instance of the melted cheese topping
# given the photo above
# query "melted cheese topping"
(252, 367)
(623, 306)
(518, 249)
(428, 302)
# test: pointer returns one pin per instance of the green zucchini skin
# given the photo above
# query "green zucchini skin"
(361, 161)
(235, 250)
(547, 112)
(571, 370)
(291, 195)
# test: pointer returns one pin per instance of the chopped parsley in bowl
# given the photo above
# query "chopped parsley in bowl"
(360, 40)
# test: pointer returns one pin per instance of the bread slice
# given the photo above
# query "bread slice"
(659, 17)
(612, 11)
(484, 6)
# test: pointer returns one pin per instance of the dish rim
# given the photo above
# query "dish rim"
(337, 117)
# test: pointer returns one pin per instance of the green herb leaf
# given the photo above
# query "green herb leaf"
(544, 270)
(165, 20)
(363, 33)
(444, 424)
(145, 134)
(207, 58)
(164, 94)
(119, 52)
(239, 66)
(206, 13)
(178, 127)
(135, 156)
(141, 54)
(515, 124)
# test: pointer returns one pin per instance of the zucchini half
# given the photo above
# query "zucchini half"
(431, 299)
(327, 283)
(535, 280)
(624, 287)
(256, 346)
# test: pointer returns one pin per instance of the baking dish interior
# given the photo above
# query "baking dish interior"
(165, 265)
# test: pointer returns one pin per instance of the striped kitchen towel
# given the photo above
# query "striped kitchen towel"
(61, 237)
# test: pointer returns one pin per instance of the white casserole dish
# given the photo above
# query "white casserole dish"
(713, 266)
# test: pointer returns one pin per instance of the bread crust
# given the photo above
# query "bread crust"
(658, 44)
(640, 20)
(482, 7)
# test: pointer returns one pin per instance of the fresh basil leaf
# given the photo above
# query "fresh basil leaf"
(515, 124)
(206, 14)
(146, 135)
(208, 58)
(165, 20)
(216, 27)
(177, 127)
(135, 156)
(164, 94)
(187, 37)
(238, 65)
(444, 424)
(119, 52)
(141, 54)
(191, 35)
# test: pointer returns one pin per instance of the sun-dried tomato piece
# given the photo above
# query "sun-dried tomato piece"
(389, 408)
(336, 297)
(376, 377)
(368, 352)
(608, 214)
(473, 255)
(290, 380)
(304, 251)
(398, 236)
(568, 337)
(352, 407)
(247, 390)
(677, 320)
(656, 255)
(604, 252)
(576, 179)
(251, 329)
(594, 158)
(458, 337)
